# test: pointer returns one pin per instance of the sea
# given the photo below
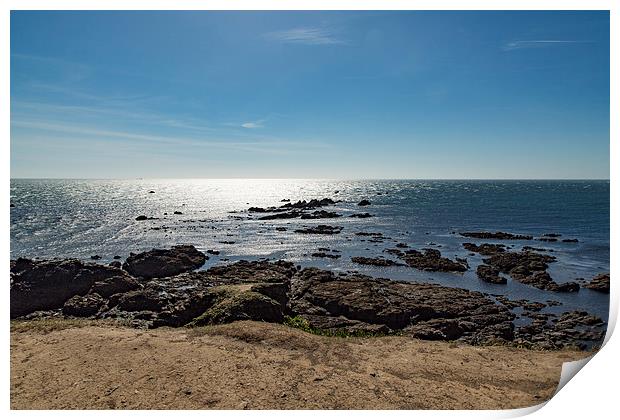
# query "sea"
(81, 218)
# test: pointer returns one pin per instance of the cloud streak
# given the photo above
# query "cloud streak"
(253, 124)
(306, 36)
(539, 43)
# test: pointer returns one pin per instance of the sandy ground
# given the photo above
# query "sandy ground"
(252, 365)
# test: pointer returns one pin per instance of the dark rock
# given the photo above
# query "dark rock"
(251, 272)
(117, 257)
(109, 286)
(324, 255)
(495, 235)
(283, 215)
(143, 217)
(165, 262)
(361, 215)
(308, 205)
(275, 291)
(95, 257)
(83, 306)
(300, 205)
(364, 203)
(321, 229)
(547, 239)
(490, 274)
(570, 240)
(552, 235)
(320, 214)
(178, 212)
(151, 192)
(484, 249)
(431, 260)
(378, 261)
(213, 252)
(531, 248)
(146, 299)
(48, 284)
(599, 283)
(402, 245)
(281, 229)
(373, 234)
(116, 264)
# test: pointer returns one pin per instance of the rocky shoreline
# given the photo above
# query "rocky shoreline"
(161, 287)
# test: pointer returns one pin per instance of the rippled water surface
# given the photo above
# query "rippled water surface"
(80, 218)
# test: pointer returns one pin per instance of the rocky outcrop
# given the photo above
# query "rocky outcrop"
(165, 262)
(364, 203)
(326, 300)
(83, 306)
(431, 260)
(495, 235)
(235, 304)
(299, 205)
(48, 284)
(529, 268)
(599, 283)
(571, 329)
(490, 274)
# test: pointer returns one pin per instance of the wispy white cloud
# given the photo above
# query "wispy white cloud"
(306, 35)
(539, 43)
(253, 124)
(272, 146)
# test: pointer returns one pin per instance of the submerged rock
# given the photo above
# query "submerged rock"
(321, 229)
(165, 262)
(484, 249)
(495, 235)
(361, 215)
(320, 214)
(282, 215)
(325, 255)
(378, 261)
(364, 203)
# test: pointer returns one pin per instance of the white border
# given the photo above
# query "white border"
(591, 395)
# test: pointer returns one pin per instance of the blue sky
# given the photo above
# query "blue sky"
(310, 94)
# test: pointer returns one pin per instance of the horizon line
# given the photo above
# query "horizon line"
(308, 179)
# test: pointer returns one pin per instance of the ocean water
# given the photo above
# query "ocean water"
(81, 218)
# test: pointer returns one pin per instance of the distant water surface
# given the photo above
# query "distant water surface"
(81, 218)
